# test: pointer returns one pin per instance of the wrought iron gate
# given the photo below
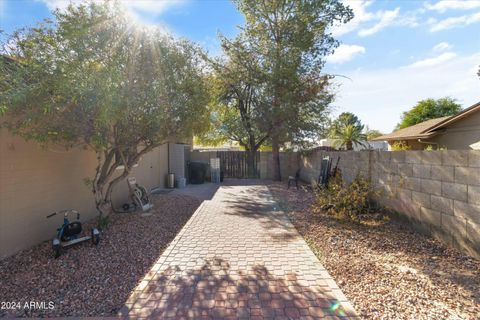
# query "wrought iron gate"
(233, 164)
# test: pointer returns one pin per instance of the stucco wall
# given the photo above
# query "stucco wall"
(461, 135)
(438, 190)
(35, 182)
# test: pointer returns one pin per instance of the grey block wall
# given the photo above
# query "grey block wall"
(176, 158)
(438, 190)
(289, 164)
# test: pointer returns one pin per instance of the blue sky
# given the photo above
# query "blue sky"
(393, 53)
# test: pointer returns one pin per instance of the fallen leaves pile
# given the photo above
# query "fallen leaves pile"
(87, 280)
(388, 270)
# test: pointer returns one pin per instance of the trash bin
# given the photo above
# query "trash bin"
(197, 172)
(171, 181)
(181, 183)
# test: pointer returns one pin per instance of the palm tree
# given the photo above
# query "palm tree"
(347, 130)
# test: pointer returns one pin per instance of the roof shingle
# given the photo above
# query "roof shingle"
(419, 130)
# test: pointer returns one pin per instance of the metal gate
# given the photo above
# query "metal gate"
(233, 164)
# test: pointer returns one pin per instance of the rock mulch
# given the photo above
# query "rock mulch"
(388, 270)
(87, 280)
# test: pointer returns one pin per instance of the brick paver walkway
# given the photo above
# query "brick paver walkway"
(238, 257)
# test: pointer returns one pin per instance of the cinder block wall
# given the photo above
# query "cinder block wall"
(36, 181)
(438, 190)
(289, 164)
(177, 159)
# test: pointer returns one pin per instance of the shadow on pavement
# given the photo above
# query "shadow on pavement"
(215, 291)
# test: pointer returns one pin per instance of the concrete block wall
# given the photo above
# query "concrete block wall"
(176, 159)
(438, 190)
(289, 164)
(352, 163)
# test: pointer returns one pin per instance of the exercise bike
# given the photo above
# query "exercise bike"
(69, 233)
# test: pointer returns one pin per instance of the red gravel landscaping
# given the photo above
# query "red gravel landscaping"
(387, 270)
(93, 281)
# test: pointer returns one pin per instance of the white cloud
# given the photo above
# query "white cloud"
(386, 18)
(379, 97)
(454, 22)
(345, 52)
(409, 19)
(371, 22)
(444, 5)
(152, 7)
(59, 4)
(155, 7)
(430, 62)
(442, 46)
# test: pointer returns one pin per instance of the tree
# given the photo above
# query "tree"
(291, 40)
(372, 133)
(347, 130)
(93, 79)
(429, 109)
(238, 103)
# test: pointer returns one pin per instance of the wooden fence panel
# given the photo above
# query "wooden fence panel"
(233, 164)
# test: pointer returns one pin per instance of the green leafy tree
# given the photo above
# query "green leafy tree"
(93, 79)
(429, 109)
(347, 130)
(238, 103)
(291, 40)
(372, 133)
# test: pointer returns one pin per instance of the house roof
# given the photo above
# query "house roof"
(428, 128)
(462, 114)
(420, 130)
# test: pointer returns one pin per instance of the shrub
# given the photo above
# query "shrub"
(400, 146)
(103, 222)
(431, 148)
(351, 202)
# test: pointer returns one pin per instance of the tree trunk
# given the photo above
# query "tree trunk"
(276, 159)
(104, 208)
(103, 184)
(251, 172)
(349, 145)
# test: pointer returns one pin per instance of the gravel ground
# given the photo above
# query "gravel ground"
(93, 281)
(387, 270)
